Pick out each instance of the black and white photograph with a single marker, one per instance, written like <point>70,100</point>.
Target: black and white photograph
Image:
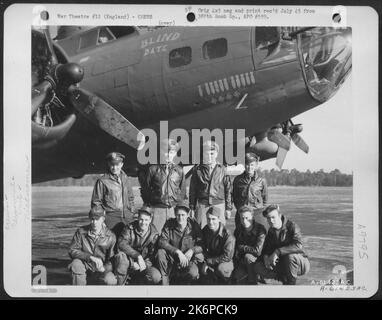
<point>101,84</point>
<point>180,157</point>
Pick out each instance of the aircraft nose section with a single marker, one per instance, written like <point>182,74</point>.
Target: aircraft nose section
<point>326,57</point>
<point>70,73</point>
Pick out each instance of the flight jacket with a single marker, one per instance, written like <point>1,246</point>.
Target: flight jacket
<point>214,189</point>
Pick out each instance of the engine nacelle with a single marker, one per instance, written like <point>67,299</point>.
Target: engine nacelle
<point>46,137</point>
<point>264,148</point>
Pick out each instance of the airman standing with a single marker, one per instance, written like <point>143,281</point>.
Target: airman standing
<point>114,193</point>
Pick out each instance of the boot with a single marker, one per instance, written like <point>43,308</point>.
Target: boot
<point>165,280</point>
<point>121,279</point>
<point>289,281</point>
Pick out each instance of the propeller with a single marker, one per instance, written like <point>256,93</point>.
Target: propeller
<point>276,135</point>
<point>63,78</point>
<point>105,117</point>
<point>296,138</point>
<point>58,77</point>
<point>282,135</point>
<point>53,57</point>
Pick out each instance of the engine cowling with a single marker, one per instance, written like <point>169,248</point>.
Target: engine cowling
<point>264,148</point>
<point>52,113</point>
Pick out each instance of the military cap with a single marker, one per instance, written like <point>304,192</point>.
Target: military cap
<point>168,145</point>
<point>215,211</point>
<point>182,205</point>
<point>145,210</point>
<point>96,212</point>
<point>115,157</point>
<point>251,157</point>
<point>211,145</point>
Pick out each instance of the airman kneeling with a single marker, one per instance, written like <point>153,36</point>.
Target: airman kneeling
<point>250,237</point>
<point>179,248</point>
<point>218,249</point>
<point>137,245</point>
<point>91,251</point>
<point>283,257</point>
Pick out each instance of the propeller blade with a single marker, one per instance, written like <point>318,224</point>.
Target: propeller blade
<point>280,139</point>
<point>106,117</point>
<point>49,41</point>
<point>281,154</point>
<point>300,143</point>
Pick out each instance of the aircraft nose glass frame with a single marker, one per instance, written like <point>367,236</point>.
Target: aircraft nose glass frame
<point>325,54</point>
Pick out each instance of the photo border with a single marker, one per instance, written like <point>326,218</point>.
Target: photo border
<point>17,187</point>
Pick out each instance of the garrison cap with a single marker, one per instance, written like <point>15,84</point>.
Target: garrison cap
<point>182,205</point>
<point>215,211</point>
<point>96,212</point>
<point>251,157</point>
<point>145,210</point>
<point>211,145</point>
<point>115,157</point>
<point>168,145</point>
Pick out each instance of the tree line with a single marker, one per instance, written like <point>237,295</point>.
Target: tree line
<point>274,177</point>
<point>294,177</point>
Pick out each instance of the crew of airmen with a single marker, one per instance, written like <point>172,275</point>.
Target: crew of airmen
<point>175,241</point>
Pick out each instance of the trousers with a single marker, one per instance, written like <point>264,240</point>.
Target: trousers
<point>82,270</point>
<point>124,268</point>
<point>169,267</point>
<point>116,224</point>
<point>286,270</point>
<point>221,274</point>
<point>244,271</point>
<point>160,216</point>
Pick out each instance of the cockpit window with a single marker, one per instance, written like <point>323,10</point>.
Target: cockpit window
<point>122,31</point>
<point>95,37</point>
<point>104,36</point>
<point>180,57</point>
<point>267,38</point>
<point>216,48</point>
<point>326,56</point>
<point>88,39</point>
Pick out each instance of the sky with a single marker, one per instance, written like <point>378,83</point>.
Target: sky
<point>328,130</point>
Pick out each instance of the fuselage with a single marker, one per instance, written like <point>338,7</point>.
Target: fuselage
<point>193,77</point>
<point>177,71</point>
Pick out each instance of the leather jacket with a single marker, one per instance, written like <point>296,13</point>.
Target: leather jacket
<point>249,243</point>
<point>159,188</point>
<point>115,197</point>
<point>250,191</point>
<point>133,245</point>
<point>84,244</point>
<point>218,247</point>
<point>173,239</point>
<point>214,188</point>
<point>287,241</point>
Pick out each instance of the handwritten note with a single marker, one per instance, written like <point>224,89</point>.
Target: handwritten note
<point>17,198</point>
<point>362,242</point>
<point>255,13</point>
